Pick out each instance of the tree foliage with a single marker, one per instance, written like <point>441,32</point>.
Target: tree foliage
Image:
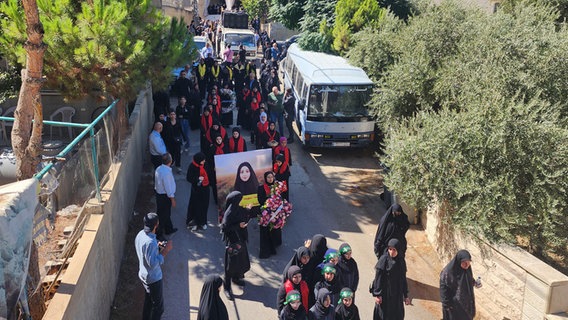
<point>557,5</point>
<point>112,46</point>
<point>287,12</point>
<point>10,82</point>
<point>400,8</point>
<point>352,16</point>
<point>256,8</point>
<point>317,24</point>
<point>474,109</point>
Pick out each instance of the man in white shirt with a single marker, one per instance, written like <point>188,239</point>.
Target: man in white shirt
<point>165,187</point>
<point>206,51</point>
<point>156,145</point>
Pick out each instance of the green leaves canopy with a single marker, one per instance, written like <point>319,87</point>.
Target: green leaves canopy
<point>113,46</point>
<point>474,109</point>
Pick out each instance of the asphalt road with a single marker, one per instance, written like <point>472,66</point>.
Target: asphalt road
<point>335,193</point>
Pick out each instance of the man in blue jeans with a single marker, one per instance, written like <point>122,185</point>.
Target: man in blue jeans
<point>151,255</point>
<point>276,108</point>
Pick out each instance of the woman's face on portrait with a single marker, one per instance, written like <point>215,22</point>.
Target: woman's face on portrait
<point>219,140</point>
<point>244,174</point>
<point>272,126</point>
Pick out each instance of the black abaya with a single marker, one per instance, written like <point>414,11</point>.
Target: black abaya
<point>344,313</point>
<point>235,265</point>
<point>288,313</point>
<point>392,227</point>
<point>198,200</point>
<point>318,247</point>
<point>211,307</point>
<point>390,284</point>
<point>456,289</point>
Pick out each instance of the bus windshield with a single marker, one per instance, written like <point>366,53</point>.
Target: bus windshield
<point>236,39</point>
<point>339,101</point>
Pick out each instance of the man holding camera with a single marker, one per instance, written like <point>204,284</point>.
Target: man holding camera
<point>151,255</point>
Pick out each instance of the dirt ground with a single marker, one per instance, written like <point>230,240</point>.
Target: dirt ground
<point>129,296</point>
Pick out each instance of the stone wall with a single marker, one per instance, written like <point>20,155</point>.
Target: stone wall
<point>516,285</point>
<point>89,283</point>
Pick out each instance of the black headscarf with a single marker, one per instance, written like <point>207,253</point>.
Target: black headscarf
<point>230,216</point>
<point>297,261</point>
<point>343,312</point>
<point>292,271</point>
<point>391,226</point>
<point>318,247</point>
<point>266,176</point>
<point>198,157</point>
<point>394,264</point>
<point>318,310</point>
<point>211,307</point>
<point>246,187</point>
<point>288,313</point>
<point>456,284</point>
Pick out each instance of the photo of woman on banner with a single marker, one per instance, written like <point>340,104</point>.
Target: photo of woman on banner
<point>247,184</point>
<point>243,172</point>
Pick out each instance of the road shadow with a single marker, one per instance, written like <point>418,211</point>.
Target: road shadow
<point>423,291</point>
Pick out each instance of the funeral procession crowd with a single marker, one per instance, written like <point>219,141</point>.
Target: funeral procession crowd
<point>318,282</point>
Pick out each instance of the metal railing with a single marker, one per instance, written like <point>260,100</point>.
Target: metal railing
<point>88,128</point>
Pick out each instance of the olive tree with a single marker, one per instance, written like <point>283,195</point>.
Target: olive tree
<point>474,106</point>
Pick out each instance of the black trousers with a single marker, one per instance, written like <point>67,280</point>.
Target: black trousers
<point>153,301</point>
<point>164,211</point>
<point>289,120</point>
<point>156,161</point>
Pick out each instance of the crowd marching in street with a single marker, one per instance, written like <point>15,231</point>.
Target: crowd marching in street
<point>318,282</point>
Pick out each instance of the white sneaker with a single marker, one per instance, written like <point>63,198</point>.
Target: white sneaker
<point>194,228</point>
<point>204,227</point>
<point>186,150</point>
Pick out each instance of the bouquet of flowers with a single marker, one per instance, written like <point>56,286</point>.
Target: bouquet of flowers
<point>276,209</point>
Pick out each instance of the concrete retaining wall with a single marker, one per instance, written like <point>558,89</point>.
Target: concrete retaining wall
<point>516,285</point>
<point>88,286</point>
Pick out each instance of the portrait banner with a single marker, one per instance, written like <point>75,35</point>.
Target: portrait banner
<point>242,171</point>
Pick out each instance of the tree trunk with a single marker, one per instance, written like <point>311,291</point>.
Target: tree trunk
<point>27,148</point>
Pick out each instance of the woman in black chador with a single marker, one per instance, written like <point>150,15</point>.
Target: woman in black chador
<point>293,309</point>
<point>390,288</point>
<point>269,238</point>
<point>246,181</point>
<point>211,307</point>
<point>317,248</point>
<point>346,308</point>
<point>393,225</point>
<point>347,268</point>
<point>197,175</point>
<point>456,288</point>
<point>235,235</point>
<point>301,258</point>
<point>323,309</point>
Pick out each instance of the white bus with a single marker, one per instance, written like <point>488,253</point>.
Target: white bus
<point>330,96</point>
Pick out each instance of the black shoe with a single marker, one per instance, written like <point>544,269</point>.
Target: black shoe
<point>239,282</point>
<point>229,295</point>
